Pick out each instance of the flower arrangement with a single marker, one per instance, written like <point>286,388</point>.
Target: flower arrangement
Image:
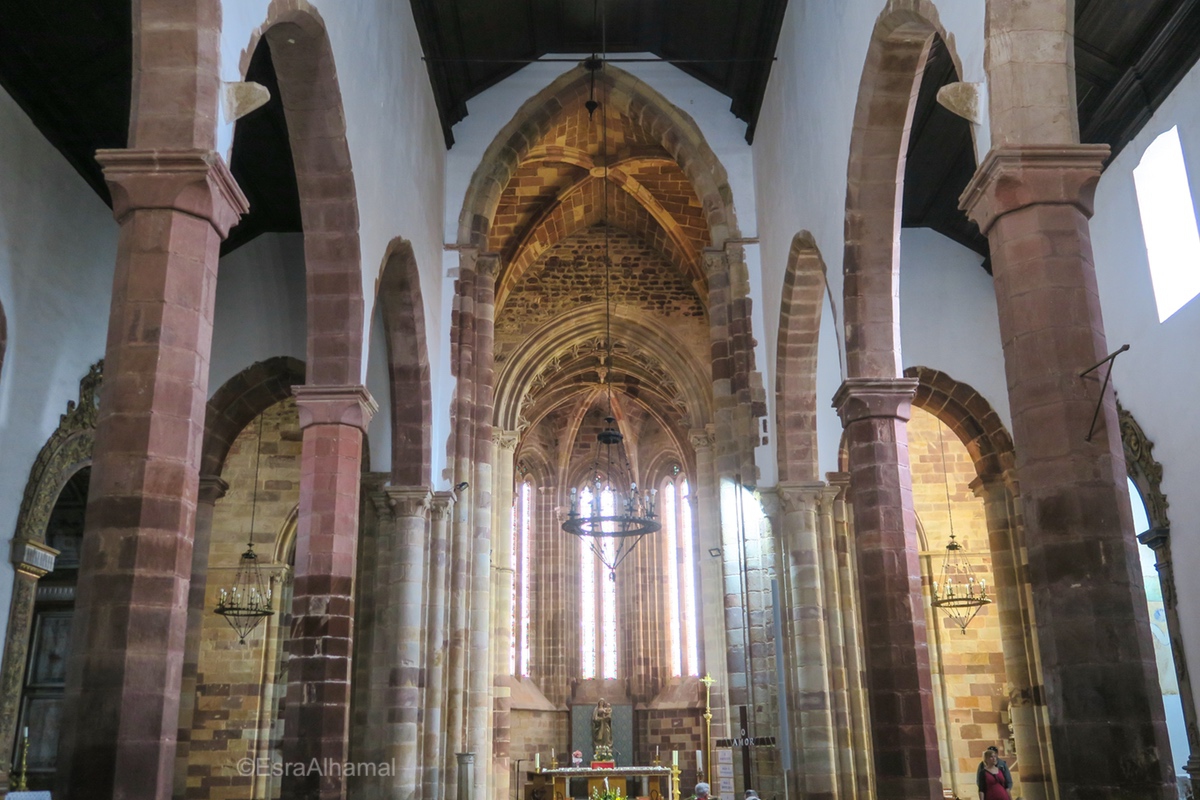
<point>607,794</point>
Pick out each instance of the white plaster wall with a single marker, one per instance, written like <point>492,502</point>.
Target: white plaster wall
<point>396,149</point>
<point>58,247</point>
<point>948,317</point>
<point>1158,380</point>
<point>802,146</point>
<point>260,310</point>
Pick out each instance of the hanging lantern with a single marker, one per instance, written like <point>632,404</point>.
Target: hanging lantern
<point>247,602</point>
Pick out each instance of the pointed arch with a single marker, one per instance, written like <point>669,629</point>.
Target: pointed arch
<point>316,124</point>
<point>398,294</point>
<point>887,95</point>
<point>804,288</point>
<point>240,400</point>
<point>674,130</point>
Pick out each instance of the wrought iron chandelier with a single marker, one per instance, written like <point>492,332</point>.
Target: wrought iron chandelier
<point>617,513</point>
<point>248,601</point>
<point>957,591</point>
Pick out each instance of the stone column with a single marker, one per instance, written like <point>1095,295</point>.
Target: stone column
<point>808,645</point>
<point>848,611</point>
<point>1101,684</point>
<point>480,678</point>
<point>874,412</point>
<point>502,608</point>
<point>707,515</point>
<point>436,641</point>
<point>401,634</point>
<point>334,420</point>
<point>212,489</point>
<point>836,591</point>
<point>127,641</point>
<point>1026,706</point>
<point>1159,540</point>
<point>31,561</point>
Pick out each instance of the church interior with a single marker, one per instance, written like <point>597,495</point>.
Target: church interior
<point>536,400</point>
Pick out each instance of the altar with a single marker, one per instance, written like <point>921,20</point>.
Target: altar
<point>581,782</point>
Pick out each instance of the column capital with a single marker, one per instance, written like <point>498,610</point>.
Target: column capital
<point>212,488</point>
<point>702,439</point>
<point>35,559</point>
<point>409,501</point>
<point>715,259</point>
<point>1017,176</point>
<point>506,440</point>
<point>335,405</point>
<point>864,398</point>
<point>195,182</point>
<point>442,504</point>
<point>800,495</point>
<point>487,265</point>
<point>1156,538</point>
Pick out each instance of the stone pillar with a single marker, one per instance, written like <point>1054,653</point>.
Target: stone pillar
<point>212,489</point>
<point>1026,706</point>
<point>848,611</point>
<point>815,762</point>
<point>836,591</point>
<point>127,641</point>
<point>480,677</point>
<point>436,641</point>
<point>502,608</point>
<point>1101,685</point>
<point>874,412</point>
<point>401,634</point>
<point>31,561</point>
<point>707,514</point>
<point>1159,540</point>
<point>334,420</point>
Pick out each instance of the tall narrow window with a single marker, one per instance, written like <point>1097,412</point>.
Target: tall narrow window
<point>680,543</point>
<point>587,594</point>
<point>1168,223</point>
<point>522,520</point>
<point>598,597</point>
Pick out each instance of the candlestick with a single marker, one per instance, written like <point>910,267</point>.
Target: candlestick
<point>21,782</point>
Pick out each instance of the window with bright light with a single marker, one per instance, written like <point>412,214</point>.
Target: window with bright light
<point>680,542</point>
<point>522,520</point>
<point>1168,223</point>
<point>598,597</point>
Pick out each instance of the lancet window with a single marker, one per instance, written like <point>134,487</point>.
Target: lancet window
<point>598,597</point>
<point>679,541</point>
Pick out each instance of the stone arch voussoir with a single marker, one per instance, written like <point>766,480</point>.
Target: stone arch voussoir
<point>239,401</point>
<point>804,289</point>
<point>312,104</point>
<point>970,416</point>
<point>887,94</point>
<point>399,297</point>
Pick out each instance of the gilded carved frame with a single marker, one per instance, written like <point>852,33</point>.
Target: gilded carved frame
<point>68,450</point>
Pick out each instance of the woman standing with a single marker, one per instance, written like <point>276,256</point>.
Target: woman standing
<point>993,783</point>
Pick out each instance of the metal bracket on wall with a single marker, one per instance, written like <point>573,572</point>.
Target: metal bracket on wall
<point>1108,359</point>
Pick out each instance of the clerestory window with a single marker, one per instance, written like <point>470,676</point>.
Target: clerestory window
<point>1168,223</point>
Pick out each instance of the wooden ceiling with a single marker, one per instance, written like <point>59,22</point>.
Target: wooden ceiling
<point>68,65</point>
<point>473,44</point>
<point>1129,55</point>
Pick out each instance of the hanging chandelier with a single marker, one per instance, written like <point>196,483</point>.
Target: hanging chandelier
<point>956,591</point>
<point>611,510</point>
<point>248,601</point>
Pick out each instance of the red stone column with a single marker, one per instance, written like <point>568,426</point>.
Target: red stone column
<point>1100,681</point>
<point>874,413</point>
<point>174,207</point>
<point>334,420</point>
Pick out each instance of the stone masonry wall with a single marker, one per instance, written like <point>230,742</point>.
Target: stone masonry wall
<point>968,667</point>
<point>230,681</point>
